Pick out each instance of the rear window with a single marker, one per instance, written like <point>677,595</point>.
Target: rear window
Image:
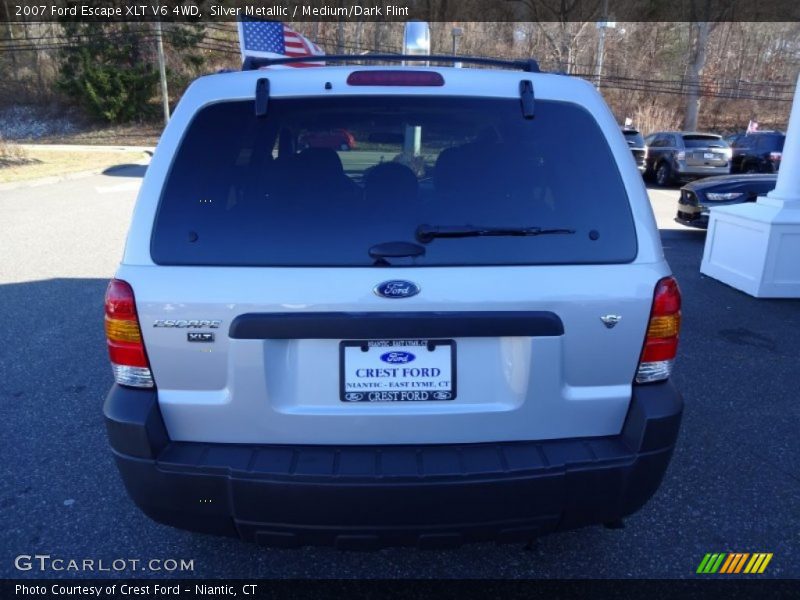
<point>321,181</point>
<point>634,139</point>
<point>704,141</point>
<point>772,143</point>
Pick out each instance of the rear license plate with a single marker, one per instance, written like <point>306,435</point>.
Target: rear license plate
<point>397,370</point>
<point>709,155</point>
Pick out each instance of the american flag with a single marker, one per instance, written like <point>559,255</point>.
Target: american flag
<point>273,39</point>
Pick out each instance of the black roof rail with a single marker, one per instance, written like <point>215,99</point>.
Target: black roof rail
<point>528,65</point>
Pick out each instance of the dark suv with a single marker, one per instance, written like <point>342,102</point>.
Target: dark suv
<point>637,146</point>
<point>758,152</point>
<point>683,155</point>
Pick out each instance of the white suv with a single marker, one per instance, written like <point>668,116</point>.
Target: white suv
<point>452,328</point>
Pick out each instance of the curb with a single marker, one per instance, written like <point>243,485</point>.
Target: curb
<point>87,148</point>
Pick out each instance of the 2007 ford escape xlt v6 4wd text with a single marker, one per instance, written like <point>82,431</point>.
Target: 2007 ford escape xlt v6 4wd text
<point>439,334</point>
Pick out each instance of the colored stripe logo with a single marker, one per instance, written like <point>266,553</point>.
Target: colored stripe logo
<point>734,563</point>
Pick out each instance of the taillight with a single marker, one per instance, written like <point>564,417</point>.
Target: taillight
<point>680,155</point>
<point>661,340</point>
<point>124,337</point>
<point>396,78</point>
<point>775,156</point>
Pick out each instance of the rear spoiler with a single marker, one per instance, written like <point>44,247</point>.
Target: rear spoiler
<point>252,63</point>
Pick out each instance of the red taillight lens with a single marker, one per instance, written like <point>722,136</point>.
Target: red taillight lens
<point>663,330</point>
<point>125,346</point>
<point>775,156</point>
<point>119,301</point>
<point>660,350</point>
<point>127,354</point>
<point>396,78</point>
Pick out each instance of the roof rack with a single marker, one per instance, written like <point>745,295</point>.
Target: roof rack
<point>528,65</point>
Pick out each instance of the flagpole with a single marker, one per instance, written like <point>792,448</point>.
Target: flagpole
<point>162,69</point>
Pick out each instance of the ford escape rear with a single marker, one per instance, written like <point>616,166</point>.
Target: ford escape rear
<point>438,334</point>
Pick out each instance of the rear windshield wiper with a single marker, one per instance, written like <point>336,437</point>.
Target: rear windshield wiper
<point>427,233</point>
<point>380,252</point>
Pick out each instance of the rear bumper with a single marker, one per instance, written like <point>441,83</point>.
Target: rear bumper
<point>689,172</point>
<point>364,497</point>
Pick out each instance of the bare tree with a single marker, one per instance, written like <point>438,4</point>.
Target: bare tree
<point>555,19</point>
<point>697,60</point>
<point>702,25</point>
<point>704,75</point>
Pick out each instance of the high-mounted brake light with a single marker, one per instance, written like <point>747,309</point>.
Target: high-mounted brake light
<point>661,340</point>
<point>396,78</point>
<point>125,346</point>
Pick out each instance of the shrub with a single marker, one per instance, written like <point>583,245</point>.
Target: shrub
<point>11,154</point>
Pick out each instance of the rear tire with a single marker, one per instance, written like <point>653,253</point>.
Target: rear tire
<point>751,168</point>
<point>664,175</point>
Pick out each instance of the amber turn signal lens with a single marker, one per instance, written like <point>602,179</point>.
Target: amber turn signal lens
<point>118,330</point>
<point>664,326</point>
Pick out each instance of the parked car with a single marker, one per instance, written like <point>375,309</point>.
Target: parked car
<point>699,196</point>
<point>638,148</point>
<point>336,139</point>
<point>365,356</point>
<point>674,156</point>
<point>734,137</point>
<point>758,152</point>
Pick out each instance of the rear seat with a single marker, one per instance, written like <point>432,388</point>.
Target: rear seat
<point>390,182</point>
<point>469,168</point>
<point>313,172</point>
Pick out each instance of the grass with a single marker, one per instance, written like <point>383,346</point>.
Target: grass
<point>144,134</point>
<point>11,154</point>
<point>35,163</point>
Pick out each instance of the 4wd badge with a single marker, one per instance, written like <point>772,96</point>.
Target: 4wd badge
<point>610,320</point>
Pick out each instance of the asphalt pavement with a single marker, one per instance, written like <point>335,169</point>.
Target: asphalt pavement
<point>732,486</point>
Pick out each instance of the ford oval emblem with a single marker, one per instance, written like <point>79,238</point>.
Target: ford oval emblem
<point>397,357</point>
<point>397,288</point>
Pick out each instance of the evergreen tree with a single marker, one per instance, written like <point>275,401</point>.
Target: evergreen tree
<point>107,70</point>
<point>111,70</point>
